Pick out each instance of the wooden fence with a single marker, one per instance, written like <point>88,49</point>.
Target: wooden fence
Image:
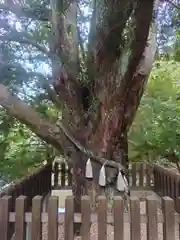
<point>167,183</point>
<point>140,176</point>
<point>37,183</point>
<point>119,220</point>
<point>16,212</point>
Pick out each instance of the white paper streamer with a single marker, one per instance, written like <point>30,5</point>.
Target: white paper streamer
<point>120,185</point>
<point>102,177</point>
<point>89,172</point>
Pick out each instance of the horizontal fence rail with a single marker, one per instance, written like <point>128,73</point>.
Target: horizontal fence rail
<point>119,219</point>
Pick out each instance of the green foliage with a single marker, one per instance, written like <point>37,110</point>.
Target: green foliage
<point>156,129</point>
<point>20,149</point>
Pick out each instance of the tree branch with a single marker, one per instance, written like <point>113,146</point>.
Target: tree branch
<point>6,69</point>
<point>39,13</point>
<point>143,18</point>
<point>18,37</point>
<point>173,4</point>
<point>135,87</point>
<point>109,31</point>
<point>47,87</point>
<point>50,133</point>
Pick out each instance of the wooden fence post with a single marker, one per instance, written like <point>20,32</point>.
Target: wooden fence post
<point>20,225</point>
<point>86,221</point>
<point>135,218</point>
<point>102,218</point>
<point>69,218</point>
<point>118,218</point>
<point>151,210</point>
<point>53,218</point>
<point>6,228</point>
<point>36,218</point>
<point>169,221</point>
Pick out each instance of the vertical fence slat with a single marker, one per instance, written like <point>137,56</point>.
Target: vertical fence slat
<point>148,176</point>
<point>63,174</point>
<point>133,175</point>
<point>169,221</point>
<point>167,186</point>
<point>56,174</point>
<point>151,210</point>
<point>135,218</point>
<point>118,218</point>
<point>164,192</point>
<point>141,175</point>
<point>53,218</point>
<point>36,218</point>
<point>20,225</point>
<point>172,187</point>
<point>177,193</point>
<point>158,182</point>
<point>102,218</point>
<point>69,218</point>
<point>163,184</point>
<point>5,227</point>
<point>69,177</point>
<point>86,221</point>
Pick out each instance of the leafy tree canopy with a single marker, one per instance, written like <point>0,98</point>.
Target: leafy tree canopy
<point>155,131</point>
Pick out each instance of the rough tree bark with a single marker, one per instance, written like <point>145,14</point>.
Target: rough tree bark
<point>98,116</point>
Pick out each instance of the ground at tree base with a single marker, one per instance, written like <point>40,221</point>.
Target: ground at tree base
<point>110,228</point>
